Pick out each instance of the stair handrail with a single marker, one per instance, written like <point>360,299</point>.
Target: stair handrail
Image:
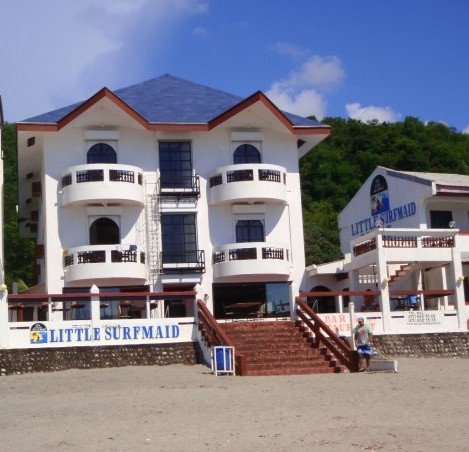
<point>323,334</point>
<point>216,336</point>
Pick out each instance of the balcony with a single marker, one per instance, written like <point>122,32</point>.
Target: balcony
<point>179,186</point>
<point>188,262</point>
<point>406,244</point>
<point>251,260</point>
<point>248,183</point>
<point>105,261</point>
<point>102,183</point>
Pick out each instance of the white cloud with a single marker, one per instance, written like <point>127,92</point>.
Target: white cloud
<point>370,113</point>
<point>290,50</point>
<point>302,92</point>
<point>306,102</point>
<point>61,52</point>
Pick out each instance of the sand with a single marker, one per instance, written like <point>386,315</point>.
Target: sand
<point>422,407</point>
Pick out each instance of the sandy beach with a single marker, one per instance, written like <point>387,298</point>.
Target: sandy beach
<point>422,407</point>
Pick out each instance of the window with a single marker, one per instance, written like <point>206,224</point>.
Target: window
<point>249,231</point>
<point>179,238</point>
<point>101,153</point>
<point>246,153</point>
<point>104,231</point>
<point>440,219</point>
<point>175,164</point>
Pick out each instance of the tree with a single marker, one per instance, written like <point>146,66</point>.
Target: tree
<point>334,170</point>
<point>18,253</point>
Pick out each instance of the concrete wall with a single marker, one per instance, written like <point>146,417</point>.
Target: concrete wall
<point>22,361</point>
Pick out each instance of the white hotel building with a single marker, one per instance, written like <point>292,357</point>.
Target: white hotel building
<point>166,186</point>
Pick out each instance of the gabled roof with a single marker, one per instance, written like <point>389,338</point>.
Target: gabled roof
<point>443,183</point>
<point>173,101</point>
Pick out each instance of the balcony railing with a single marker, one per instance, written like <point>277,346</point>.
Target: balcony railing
<point>104,261</point>
<point>405,238</point>
<point>250,258</point>
<point>102,183</point>
<point>98,175</point>
<point>188,262</point>
<point>175,185</point>
<point>250,182</point>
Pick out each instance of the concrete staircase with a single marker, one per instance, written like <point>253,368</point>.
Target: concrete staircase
<point>279,348</point>
<point>404,271</point>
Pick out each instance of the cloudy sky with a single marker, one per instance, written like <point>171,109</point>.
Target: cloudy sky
<point>364,59</point>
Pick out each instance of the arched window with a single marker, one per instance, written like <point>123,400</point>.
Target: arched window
<point>101,153</point>
<point>104,231</point>
<point>246,153</point>
<point>249,231</point>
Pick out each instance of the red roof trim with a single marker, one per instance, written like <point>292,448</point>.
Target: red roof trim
<point>246,103</point>
<point>103,93</point>
<point>261,97</point>
<point>25,127</point>
<point>175,127</point>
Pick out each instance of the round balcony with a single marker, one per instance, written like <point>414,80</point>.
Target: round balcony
<point>251,261</point>
<point>102,183</point>
<point>102,262</point>
<point>248,183</point>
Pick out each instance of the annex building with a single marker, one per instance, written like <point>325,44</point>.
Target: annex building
<point>405,241</point>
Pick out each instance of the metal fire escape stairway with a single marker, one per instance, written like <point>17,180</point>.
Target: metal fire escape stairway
<point>152,227</point>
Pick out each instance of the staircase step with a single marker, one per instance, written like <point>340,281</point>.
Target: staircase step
<point>279,348</point>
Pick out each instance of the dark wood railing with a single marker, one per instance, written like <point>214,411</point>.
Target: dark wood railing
<point>364,247</point>
<point>324,336</point>
<point>214,335</point>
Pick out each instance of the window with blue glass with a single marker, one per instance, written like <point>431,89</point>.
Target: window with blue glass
<point>246,153</point>
<point>101,153</point>
<point>175,164</point>
<point>249,231</point>
<point>179,238</point>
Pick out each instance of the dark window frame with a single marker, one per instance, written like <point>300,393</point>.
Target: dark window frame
<point>175,160</point>
<point>179,237</point>
<point>249,230</point>
<point>101,153</point>
<point>246,153</point>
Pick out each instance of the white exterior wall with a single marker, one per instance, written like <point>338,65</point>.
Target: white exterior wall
<point>356,219</point>
<point>65,225</point>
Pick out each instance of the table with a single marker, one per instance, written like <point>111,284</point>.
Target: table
<point>243,308</point>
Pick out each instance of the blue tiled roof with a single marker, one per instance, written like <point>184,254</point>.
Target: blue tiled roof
<point>169,99</point>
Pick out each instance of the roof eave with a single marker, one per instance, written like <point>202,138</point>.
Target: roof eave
<point>68,118</point>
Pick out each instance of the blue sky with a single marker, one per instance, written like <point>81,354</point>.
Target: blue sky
<point>365,59</point>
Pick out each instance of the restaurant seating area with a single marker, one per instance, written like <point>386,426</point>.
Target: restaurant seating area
<point>254,310</point>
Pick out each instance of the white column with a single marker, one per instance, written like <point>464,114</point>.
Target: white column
<point>4,327</point>
<point>339,304</point>
<point>351,310</point>
<point>95,306</point>
<point>382,275</point>
<point>353,283</point>
<point>457,274</point>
